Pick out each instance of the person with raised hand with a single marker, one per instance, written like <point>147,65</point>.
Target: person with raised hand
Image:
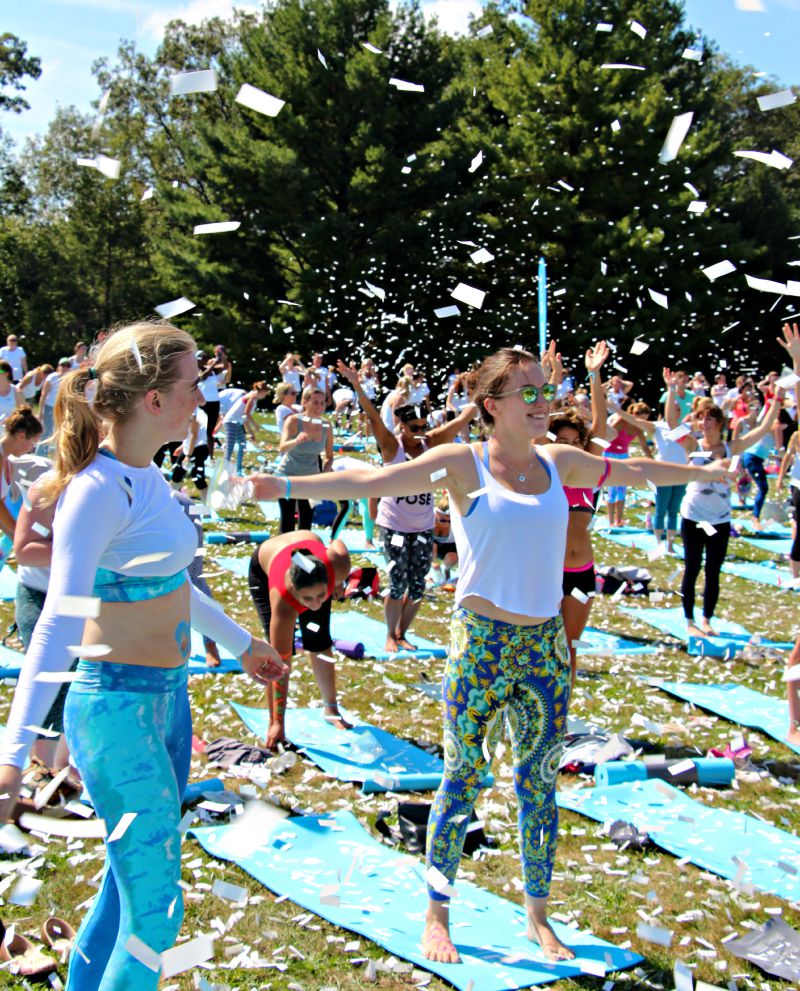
<point>119,599</point>
<point>406,521</point>
<point>706,506</point>
<point>508,650</point>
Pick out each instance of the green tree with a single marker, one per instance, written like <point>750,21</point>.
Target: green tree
<point>15,65</point>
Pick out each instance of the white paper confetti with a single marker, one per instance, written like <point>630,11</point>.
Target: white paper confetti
<point>80,606</point>
<point>198,81</point>
<point>406,87</point>
<point>782,98</point>
<point>476,163</point>
<point>716,271</point>
<point>121,827</point>
<point>219,228</point>
<point>175,307</point>
<point>678,130</point>
<point>256,99</point>
<point>469,295</point>
<point>140,951</point>
<point>447,311</point>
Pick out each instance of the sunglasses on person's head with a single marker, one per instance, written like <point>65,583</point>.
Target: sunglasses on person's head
<point>530,393</point>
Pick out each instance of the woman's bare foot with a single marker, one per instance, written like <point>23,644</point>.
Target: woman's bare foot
<point>694,630</point>
<point>334,717</point>
<point>391,645</point>
<point>212,658</point>
<point>436,943</point>
<point>404,644</point>
<point>707,628</point>
<point>540,931</point>
<point>793,736</point>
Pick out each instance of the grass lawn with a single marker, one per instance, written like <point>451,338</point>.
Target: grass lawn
<point>700,908</point>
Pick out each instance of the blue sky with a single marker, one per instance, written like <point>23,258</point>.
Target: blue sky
<point>68,35</point>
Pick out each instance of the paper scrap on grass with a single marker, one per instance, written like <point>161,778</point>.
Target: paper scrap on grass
<point>25,891</point>
<point>218,228</point>
<point>184,956</point>
<point>469,295</point>
<point>198,81</point>
<point>719,269</point>
<point>782,98</point>
<point>676,135</point>
<point>406,87</point>
<point>85,829</point>
<point>256,99</point>
<point>175,307</point>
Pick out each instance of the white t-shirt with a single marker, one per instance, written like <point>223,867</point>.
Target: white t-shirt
<point>418,394</point>
<point>209,390</point>
<point>292,376</point>
<point>8,403</point>
<point>15,357</point>
<point>55,381</point>
<point>281,412</point>
<point>668,449</point>
<point>229,398</point>
<point>202,432</point>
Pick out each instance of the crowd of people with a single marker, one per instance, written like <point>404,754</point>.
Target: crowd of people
<point>499,476</point>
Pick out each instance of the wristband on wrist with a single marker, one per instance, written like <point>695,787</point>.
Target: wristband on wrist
<point>287,493</point>
<point>591,376</point>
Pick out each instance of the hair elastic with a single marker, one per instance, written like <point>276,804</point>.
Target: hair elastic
<point>287,494</point>
<point>605,474</point>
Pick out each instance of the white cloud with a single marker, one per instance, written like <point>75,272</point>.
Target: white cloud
<point>453,16</point>
<point>193,12</point>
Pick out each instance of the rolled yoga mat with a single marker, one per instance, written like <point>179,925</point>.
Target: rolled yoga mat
<point>238,537</point>
<point>195,791</point>
<point>704,771</point>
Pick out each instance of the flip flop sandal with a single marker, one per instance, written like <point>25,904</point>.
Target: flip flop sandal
<point>26,960</point>
<point>57,935</point>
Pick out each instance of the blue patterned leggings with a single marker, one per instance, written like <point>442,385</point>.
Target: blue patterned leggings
<point>525,670</point>
<point>129,730</point>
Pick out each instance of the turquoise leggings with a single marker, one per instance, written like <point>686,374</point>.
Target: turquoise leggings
<point>129,731</point>
<point>494,666</point>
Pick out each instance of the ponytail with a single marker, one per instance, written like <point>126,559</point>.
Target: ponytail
<point>77,434</point>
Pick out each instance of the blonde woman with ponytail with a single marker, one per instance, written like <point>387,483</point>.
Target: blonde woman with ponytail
<point>121,547</point>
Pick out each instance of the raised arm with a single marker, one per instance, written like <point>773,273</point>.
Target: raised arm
<point>447,433</point>
<point>387,442</point>
<point>767,423</point>
<point>595,356</point>
<point>786,460</point>
<point>581,470</point>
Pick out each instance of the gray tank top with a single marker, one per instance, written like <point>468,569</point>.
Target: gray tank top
<point>304,459</point>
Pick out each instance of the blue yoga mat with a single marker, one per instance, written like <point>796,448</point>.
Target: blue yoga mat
<point>239,566</point>
<point>772,545</point>
<point>270,510</point>
<point>732,636</point>
<point>10,662</point>
<point>364,753</point>
<point>197,659</point>
<point>246,537</point>
<point>640,540</point>
<point>602,642</point>
<point>770,531</point>
<point>8,583</point>
<point>370,632</point>
<point>763,572</point>
<point>709,837</point>
<point>738,704</point>
<point>331,865</point>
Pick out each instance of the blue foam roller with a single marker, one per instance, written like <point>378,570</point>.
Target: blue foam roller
<point>617,772</point>
<point>196,789</point>
<point>714,770</point>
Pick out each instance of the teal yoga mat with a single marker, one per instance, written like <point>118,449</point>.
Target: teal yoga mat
<point>239,566</point>
<point>372,633</point>
<point>197,659</point>
<point>364,753</point>
<point>709,837</point>
<point>635,539</point>
<point>763,572</point>
<point>772,545</point>
<point>601,642</point>
<point>738,704</point>
<point>770,531</point>
<point>10,662</point>
<point>8,583</point>
<point>332,866</point>
<point>733,637</point>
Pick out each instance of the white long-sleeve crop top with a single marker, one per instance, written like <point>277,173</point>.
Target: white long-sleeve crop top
<point>115,527</point>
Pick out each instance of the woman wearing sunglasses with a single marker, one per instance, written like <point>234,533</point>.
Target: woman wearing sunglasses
<point>406,521</point>
<point>508,649</point>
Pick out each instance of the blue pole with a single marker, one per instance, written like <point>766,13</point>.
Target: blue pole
<point>542,306</point>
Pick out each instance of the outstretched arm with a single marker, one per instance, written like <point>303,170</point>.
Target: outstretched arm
<point>581,470</point>
<point>767,423</point>
<point>387,442</point>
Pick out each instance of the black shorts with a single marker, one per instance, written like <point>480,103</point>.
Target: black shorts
<point>315,624</point>
<point>583,580</point>
<point>442,548</point>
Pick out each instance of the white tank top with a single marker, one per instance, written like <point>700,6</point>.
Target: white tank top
<point>511,546</point>
<point>708,502</point>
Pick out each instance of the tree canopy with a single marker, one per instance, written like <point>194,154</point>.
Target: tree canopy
<point>404,162</point>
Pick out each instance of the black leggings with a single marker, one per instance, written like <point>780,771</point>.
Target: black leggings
<point>794,553</point>
<point>695,540</point>
<point>304,514</point>
<point>211,410</point>
<point>198,469</point>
